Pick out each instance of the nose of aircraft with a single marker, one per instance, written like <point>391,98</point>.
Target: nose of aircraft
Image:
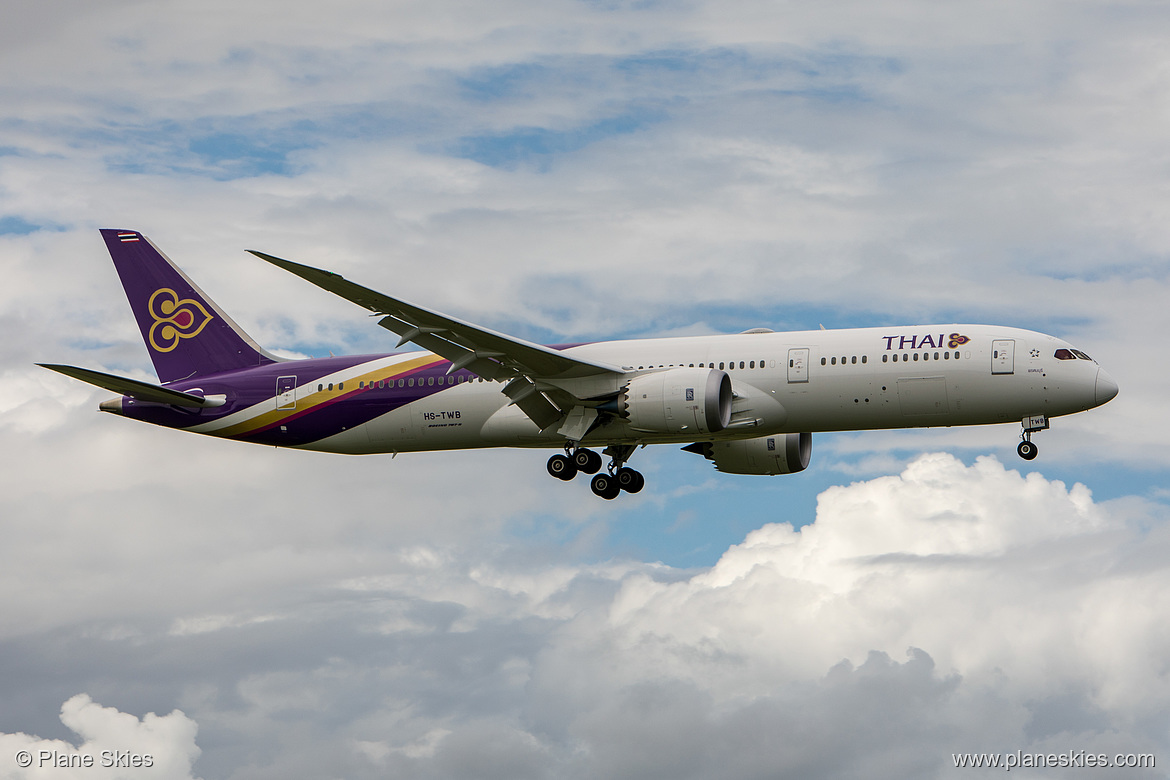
<point>1106,387</point>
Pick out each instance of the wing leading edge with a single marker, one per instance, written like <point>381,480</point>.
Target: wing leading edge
<point>533,373</point>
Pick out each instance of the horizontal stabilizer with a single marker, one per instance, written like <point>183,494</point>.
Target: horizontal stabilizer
<point>141,391</point>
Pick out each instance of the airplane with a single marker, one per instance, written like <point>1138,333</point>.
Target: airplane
<point>748,402</point>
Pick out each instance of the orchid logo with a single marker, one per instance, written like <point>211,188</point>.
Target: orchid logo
<point>956,341</point>
<point>174,319</point>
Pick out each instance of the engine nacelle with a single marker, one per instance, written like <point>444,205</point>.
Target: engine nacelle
<point>679,400</point>
<point>784,454</point>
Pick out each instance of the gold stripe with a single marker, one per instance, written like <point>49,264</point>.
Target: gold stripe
<point>320,397</point>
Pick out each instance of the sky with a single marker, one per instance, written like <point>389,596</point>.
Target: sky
<point>577,170</point>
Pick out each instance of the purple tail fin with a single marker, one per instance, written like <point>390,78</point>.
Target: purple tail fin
<point>186,334</point>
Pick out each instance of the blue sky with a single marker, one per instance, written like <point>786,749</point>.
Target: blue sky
<point>564,172</point>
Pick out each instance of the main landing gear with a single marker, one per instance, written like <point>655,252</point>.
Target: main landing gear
<point>1027,450</point>
<point>608,483</point>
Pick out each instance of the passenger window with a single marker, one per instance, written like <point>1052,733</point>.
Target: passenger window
<point>824,361</point>
<point>834,361</point>
<point>741,364</point>
<point>752,364</point>
<point>410,382</point>
<point>320,388</point>
<point>720,365</point>
<point>916,356</point>
<point>936,356</point>
<point>854,360</point>
<point>330,385</point>
<point>946,356</point>
<point>430,380</point>
<point>865,358</point>
<point>885,358</point>
<point>895,357</point>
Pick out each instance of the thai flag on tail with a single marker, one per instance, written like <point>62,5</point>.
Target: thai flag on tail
<point>125,237</point>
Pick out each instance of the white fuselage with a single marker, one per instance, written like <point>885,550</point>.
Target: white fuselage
<point>807,381</point>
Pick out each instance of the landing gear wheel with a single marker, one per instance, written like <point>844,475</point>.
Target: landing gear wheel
<point>562,467</point>
<point>605,486</point>
<point>629,480</point>
<point>588,461</point>
<point>1027,450</point>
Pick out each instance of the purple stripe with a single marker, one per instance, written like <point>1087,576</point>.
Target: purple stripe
<point>303,426</point>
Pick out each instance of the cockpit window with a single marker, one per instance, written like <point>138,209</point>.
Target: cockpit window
<point>1081,355</point>
<point>1064,354</point>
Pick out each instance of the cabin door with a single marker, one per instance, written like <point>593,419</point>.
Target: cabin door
<point>798,365</point>
<point>1003,356</point>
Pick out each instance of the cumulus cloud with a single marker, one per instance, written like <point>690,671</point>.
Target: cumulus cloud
<point>113,745</point>
<point>949,608</point>
<point>1002,592</point>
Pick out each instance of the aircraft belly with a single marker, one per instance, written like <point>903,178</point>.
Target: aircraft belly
<point>890,400</point>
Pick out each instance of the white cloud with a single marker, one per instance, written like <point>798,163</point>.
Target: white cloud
<point>113,745</point>
<point>948,608</point>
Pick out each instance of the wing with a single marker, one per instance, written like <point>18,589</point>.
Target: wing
<point>531,372</point>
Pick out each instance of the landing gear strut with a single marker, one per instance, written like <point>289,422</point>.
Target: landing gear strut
<point>1027,450</point>
<point>607,484</point>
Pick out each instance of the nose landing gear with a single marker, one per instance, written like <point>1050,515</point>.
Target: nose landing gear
<point>609,483</point>
<point>1027,450</point>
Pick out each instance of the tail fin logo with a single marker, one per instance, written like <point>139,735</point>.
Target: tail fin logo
<point>174,319</point>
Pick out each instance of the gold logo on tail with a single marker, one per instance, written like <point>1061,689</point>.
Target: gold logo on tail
<point>174,319</point>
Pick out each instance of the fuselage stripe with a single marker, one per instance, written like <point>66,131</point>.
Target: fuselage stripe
<point>323,399</point>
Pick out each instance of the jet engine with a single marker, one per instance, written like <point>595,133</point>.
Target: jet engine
<point>678,400</point>
<point>784,454</point>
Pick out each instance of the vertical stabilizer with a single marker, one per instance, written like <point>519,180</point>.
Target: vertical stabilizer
<point>186,334</point>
